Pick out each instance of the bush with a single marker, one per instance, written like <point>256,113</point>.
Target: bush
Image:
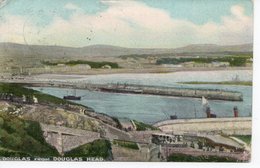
<point>1,122</point>
<point>92,64</point>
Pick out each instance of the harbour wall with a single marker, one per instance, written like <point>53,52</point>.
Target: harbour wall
<point>214,94</point>
<point>229,126</point>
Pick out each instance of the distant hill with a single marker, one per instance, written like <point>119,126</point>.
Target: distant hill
<point>12,49</point>
<point>197,48</point>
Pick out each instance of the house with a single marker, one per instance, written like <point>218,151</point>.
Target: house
<point>188,64</point>
<point>106,67</point>
<point>171,65</point>
<point>220,64</point>
<point>81,67</point>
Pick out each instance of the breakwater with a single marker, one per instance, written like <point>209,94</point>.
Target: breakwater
<point>229,126</point>
<point>214,94</point>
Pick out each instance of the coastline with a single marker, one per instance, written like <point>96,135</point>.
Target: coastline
<point>159,70</point>
<point>241,83</point>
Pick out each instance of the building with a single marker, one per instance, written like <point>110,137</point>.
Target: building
<point>106,67</point>
<point>220,64</point>
<point>171,65</point>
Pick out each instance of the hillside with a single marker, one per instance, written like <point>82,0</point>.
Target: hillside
<point>12,49</point>
<point>213,48</point>
<point>22,138</point>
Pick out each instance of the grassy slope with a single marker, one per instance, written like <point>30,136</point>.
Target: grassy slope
<point>22,138</point>
<point>98,148</point>
<point>245,138</point>
<point>19,90</point>
<point>143,127</point>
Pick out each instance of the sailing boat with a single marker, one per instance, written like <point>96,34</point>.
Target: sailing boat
<point>204,102</point>
<point>72,97</point>
<point>206,108</point>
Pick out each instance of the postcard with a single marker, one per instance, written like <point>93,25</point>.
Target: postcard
<point>126,80</point>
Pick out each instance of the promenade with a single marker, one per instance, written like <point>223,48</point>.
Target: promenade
<point>229,126</point>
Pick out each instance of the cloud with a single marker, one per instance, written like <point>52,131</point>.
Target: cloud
<point>237,10</point>
<point>3,3</point>
<point>11,28</point>
<point>130,24</point>
<point>71,6</point>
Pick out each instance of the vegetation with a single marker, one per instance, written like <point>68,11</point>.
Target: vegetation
<point>245,83</point>
<point>92,64</point>
<point>143,127</point>
<point>19,90</point>
<point>119,126</point>
<point>23,138</point>
<point>245,138</point>
<point>239,60</point>
<point>126,144</point>
<point>135,56</point>
<point>10,153</point>
<point>178,157</point>
<point>188,54</point>
<point>98,148</point>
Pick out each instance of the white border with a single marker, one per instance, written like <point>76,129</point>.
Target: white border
<point>255,161</point>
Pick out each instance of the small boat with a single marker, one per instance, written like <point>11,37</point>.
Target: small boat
<point>72,97</point>
<point>173,117</point>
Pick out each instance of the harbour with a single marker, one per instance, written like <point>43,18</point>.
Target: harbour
<point>148,108</point>
<point>153,108</point>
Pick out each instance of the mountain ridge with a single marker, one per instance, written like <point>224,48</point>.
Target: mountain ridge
<point>102,50</point>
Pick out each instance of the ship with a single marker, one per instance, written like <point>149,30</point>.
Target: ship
<point>72,97</point>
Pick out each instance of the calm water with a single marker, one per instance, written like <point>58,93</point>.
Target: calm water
<point>151,109</point>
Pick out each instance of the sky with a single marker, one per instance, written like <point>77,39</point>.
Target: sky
<point>126,23</point>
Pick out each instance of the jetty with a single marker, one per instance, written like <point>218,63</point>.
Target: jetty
<point>213,94</point>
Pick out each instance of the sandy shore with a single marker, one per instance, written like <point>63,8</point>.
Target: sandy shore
<point>150,70</point>
<point>121,72</point>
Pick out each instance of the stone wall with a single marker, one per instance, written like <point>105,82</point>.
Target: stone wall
<point>71,142</point>
<point>65,139</point>
<point>230,126</point>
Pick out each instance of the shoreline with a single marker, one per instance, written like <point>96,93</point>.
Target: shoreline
<point>240,83</point>
<point>213,94</point>
<point>158,70</point>
<point>136,71</point>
